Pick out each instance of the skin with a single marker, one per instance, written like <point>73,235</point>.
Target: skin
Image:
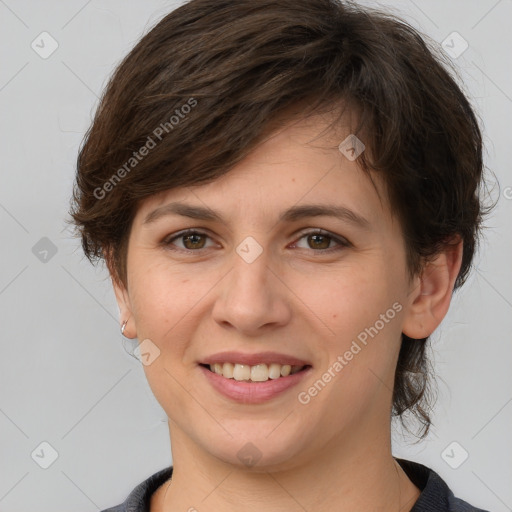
<point>333,453</point>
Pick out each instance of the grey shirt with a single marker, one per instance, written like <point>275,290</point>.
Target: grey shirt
<point>435,494</point>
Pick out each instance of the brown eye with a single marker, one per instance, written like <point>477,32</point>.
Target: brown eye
<point>320,241</point>
<point>191,240</point>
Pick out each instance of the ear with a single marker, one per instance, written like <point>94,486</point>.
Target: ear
<point>122,298</point>
<point>431,292</point>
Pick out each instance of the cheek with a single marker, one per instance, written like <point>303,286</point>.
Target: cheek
<point>163,308</point>
<point>160,297</point>
<point>363,312</point>
<point>350,299</point>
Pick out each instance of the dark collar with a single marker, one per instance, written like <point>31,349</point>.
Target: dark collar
<point>435,494</point>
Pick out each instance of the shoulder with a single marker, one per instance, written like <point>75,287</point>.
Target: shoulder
<point>139,498</point>
<point>435,493</point>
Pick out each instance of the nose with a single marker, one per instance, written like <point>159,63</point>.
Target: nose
<point>252,297</point>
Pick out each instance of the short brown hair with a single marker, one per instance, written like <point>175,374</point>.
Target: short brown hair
<point>236,65</point>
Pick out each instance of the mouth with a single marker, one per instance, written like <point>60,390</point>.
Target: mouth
<point>255,383</point>
<point>254,373</point>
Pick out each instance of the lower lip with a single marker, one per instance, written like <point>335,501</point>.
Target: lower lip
<point>252,392</point>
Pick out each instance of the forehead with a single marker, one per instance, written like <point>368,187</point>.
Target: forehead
<point>298,163</point>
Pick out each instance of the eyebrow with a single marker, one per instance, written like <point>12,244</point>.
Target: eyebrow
<point>292,214</point>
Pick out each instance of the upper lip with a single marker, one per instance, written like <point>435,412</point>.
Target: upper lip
<point>253,359</point>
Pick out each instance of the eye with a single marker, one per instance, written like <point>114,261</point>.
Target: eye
<point>191,240</point>
<point>318,240</point>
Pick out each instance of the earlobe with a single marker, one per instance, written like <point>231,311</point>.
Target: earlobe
<point>123,300</point>
<point>432,292</point>
<point>125,312</point>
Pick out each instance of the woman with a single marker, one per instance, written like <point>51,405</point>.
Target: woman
<point>286,195</point>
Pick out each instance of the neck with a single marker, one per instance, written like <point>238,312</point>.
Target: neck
<point>349,475</point>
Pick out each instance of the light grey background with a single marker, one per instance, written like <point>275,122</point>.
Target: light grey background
<point>66,376</point>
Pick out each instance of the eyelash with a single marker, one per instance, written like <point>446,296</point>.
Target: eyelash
<point>342,243</point>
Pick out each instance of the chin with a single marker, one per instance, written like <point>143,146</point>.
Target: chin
<point>258,453</point>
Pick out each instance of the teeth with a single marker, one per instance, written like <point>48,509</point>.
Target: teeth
<point>274,371</point>
<point>256,373</point>
<point>226,369</point>
<point>242,372</point>
<point>259,373</point>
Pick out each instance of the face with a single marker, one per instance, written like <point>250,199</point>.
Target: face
<point>328,295</point>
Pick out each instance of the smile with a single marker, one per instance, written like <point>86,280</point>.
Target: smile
<point>274,379</point>
<point>254,373</point>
